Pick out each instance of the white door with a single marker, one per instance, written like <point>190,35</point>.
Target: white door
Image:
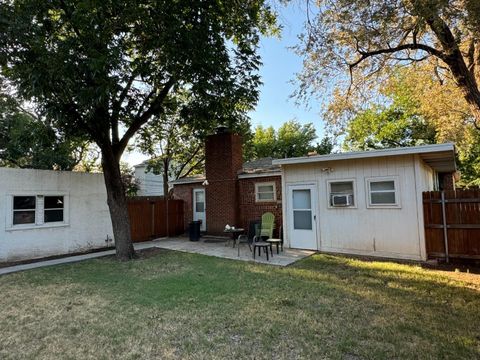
<point>302,216</point>
<point>199,207</point>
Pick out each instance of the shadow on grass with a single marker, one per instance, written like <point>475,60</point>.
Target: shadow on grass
<point>321,305</point>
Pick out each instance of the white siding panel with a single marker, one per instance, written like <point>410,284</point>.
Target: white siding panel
<point>390,232</point>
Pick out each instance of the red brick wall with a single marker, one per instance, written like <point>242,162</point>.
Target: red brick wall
<point>223,160</point>
<point>252,210</point>
<point>228,200</point>
<point>185,192</point>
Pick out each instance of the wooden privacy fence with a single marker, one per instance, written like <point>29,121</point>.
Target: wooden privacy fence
<point>452,223</point>
<point>153,217</point>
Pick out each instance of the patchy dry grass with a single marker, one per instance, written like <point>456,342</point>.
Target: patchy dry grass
<point>177,305</point>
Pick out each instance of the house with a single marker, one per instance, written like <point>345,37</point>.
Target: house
<point>149,184</point>
<point>366,203</point>
<point>48,213</point>
<point>230,192</point>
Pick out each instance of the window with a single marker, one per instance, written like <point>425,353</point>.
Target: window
<point>341,193</point>
<point>302,209</point>
<point>24,210</point>
<point>382,192</point>
<point>37,210</point>
<point>53,209</point>
<point>265,192</point>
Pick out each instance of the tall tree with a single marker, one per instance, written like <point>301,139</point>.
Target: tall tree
<point>290,140</point>
<point>416,108</point>
<point>104,69</point>
<point>366,38</point>
<point>27,141</point>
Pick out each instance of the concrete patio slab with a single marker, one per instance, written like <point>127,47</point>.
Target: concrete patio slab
<point>219,249</point>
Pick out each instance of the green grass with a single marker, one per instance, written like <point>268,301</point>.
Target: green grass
<point>177,305</point>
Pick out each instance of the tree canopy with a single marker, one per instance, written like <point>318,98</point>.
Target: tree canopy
<point>290,140</point>
<point>415,108</point>
<point>355,44</point>
<point>27,141</point>
<point>102,70</point>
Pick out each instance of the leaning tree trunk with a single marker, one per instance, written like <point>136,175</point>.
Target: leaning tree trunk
<point>117,203</point>
<point>453,57</point>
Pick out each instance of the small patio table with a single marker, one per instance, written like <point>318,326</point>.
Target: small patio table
<point>236,232</point>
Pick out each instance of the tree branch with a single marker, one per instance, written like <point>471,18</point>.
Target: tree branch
<point>155,107</point>
<point>186,162</point>
<point>116,108</point>
<point>390,50</point>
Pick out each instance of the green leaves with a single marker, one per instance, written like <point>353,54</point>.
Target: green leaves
<point>292,139</point>
<point>79,59</point>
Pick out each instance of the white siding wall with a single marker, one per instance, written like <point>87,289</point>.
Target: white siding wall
<point>86,216</point>
<point>387,232</point>
<point>149,183</point>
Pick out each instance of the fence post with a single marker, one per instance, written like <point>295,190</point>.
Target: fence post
<point>445,232</point>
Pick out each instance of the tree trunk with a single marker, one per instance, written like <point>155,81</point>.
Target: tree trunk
<point>166,165</point>
<point>117,203</point>
<point>454,59</point>
<point>466,82</point>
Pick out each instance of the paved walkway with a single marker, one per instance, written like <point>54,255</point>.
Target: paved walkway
<point>288,256</point>
<point>70,259</point>
<point>217,249</point>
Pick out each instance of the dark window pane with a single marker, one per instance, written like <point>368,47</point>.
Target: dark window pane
<point>199,207</point>
<point>302,220</point>
<point>23,202</point>
<point>53,202</point>
<point>383,198</point>
<point>23,217</point>
<point>345,187</point>
<point>382,185</point>
<point>53,215</point>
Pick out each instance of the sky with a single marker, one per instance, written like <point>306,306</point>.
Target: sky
<point>280,64</point>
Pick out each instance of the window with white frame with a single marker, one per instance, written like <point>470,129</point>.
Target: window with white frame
<point>265,192</point>
<point>341,193</point>
<point>53,209</point>
<point>37,210</point>
<point>24,210</point>
<point>382,192</point>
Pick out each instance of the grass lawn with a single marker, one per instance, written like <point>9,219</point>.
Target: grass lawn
<point>178,305</point>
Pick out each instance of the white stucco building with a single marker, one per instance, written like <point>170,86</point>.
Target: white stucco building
<point>44,213</point>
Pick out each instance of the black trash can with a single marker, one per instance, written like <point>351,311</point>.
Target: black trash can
<point>194,230</point>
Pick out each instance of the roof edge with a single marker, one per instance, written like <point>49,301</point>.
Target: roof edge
<point>368,154</point>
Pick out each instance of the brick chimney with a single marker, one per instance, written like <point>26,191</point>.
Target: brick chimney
<point>223,160</point>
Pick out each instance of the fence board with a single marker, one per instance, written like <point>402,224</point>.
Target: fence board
<point>150,218</point>
<point>462,222</point>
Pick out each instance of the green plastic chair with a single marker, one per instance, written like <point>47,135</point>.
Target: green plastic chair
<point>266,232</point>
<point>267,225</point>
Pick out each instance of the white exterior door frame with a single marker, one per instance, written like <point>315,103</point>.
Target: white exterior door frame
<point>199,207</point>
<point>302,229</point>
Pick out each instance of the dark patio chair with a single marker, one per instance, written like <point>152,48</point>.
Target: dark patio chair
<point>253,230</point>
<point>266,232</point>
<point>278,241</point>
